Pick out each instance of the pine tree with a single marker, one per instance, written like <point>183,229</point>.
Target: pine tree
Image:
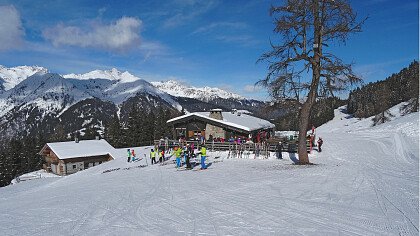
<point>114,132</point>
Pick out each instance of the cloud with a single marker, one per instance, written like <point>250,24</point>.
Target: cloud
<point>187,10</point>
<point>11,30</point>
<point>228,32</point>
<point>119,36</point>
<point>219,25</point>
<point>252,89</point>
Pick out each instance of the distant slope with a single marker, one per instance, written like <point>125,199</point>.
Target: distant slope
<point>377,97</point>
<point>205,94</point>
<point>10,77</point>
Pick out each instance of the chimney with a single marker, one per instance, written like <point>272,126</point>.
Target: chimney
<point>216,114</point>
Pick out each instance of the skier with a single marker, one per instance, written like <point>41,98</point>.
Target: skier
<point>153,156</point>
<point>133,155</point>
<point>178,152</point>
<point>161,156</point>
<point>188,155</point>
<point>129,155</point>
<point>320,142</point>
<point>203,157</point>
<point>279,148</point>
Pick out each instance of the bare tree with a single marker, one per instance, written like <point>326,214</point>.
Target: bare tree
<point>307,27</point>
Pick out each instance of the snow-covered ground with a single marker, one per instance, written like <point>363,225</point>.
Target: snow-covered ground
<point>364,182</point>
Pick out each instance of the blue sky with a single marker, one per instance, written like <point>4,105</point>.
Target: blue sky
<point>214,42</point>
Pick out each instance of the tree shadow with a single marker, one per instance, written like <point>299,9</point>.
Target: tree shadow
<point>293,157</point>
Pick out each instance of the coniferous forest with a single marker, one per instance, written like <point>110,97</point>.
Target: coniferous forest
<point>376,98</point>
<point>139,128</point>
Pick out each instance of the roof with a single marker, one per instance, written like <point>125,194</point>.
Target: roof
<point>84,148</point>
<point>243,121</point>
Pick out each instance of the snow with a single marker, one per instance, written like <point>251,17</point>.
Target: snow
<point>55,94</point>
<point>116,86</point>
<point>364,182</point>
<point>243,121</point>
<point>39,174</point>
<point>178,89</point>
<point>112,74</point>
<point>14,75</point>
<point>84,148</point>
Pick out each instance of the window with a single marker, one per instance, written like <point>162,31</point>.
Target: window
<point>74,166</point>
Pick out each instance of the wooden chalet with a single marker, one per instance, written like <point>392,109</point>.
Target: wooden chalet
<point>219,124</point>
<point>63,158</point>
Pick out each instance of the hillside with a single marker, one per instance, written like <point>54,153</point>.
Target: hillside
<point>365,182</point>
<point>10,77</point>
<point>378,97</point>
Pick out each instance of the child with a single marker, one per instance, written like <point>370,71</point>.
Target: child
<point>133,155</point>
<point>320,142</point>
<point>129,155</point>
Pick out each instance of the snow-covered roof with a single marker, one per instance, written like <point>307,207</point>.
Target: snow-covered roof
<point>243,121</point>
<point>84,148</point>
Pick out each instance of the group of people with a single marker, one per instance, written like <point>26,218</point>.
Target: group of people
<point>131,155</point>
<point>186,153</point>
<point>154,153</point>
<point>182,154</point>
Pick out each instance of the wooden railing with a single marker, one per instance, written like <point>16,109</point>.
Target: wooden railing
<point>290,146</point>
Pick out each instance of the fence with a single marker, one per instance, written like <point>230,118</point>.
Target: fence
<point>233,147</point>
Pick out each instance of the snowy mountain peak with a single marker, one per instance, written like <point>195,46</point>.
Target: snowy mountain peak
<point>10,77</point>
<point>178,89</point>
<point>113,74</point>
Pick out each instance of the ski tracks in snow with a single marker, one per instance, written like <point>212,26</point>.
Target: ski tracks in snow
<point>392,181</point>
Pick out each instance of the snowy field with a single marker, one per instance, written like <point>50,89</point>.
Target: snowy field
<point>364,182</point>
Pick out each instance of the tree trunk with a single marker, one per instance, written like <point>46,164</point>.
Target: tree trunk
<point>316,75</point>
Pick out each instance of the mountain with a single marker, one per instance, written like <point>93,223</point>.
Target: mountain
<point>42,101</point>
<point>112,74</point>
<point>36,102</point>
<point>205,94</point>
<point>194,99</point>
<point>10,77</point>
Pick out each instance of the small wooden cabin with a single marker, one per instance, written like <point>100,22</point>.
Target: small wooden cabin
<point>63,158</point>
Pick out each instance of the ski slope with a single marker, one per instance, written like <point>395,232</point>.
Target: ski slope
<point>364,182</point>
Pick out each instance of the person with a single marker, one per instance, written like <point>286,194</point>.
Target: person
<point>153,156</point>
<point>188,155</point>
<point>320,142</point>
<point>231,139</point>
<point>160,156</point>
<point>279,149</point>
<point>133,155</point>
<point>203,153</point>
<point>129,155</point>
<point>178,153</point>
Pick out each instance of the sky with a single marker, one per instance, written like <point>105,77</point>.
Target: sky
<point>201,43</point>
